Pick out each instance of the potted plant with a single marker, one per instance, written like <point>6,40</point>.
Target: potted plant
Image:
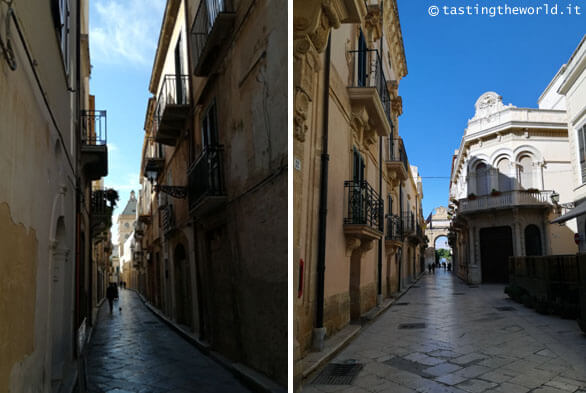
<point>495,192</point>
<point>532,190</point>
<point>472,196</point>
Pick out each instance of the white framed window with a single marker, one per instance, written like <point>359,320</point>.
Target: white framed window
<point>581,134</point>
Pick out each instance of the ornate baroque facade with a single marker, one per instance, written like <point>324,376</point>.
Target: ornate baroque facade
<point>358,226</point>
<point>509,164</point>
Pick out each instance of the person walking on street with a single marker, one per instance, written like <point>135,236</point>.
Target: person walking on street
<point>111,293</point>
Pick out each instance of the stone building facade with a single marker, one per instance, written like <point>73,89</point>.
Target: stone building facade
<point>52,146</point>
<point>212,210</point>
<point>358,226</point>
<point>510,162</point>
<point>571,93</point>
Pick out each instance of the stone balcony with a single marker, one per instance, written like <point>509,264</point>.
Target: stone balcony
<point>505,200</point>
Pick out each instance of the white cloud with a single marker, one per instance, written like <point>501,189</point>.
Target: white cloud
<point>125,32</point>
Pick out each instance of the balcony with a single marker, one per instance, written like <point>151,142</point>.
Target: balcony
<point>173,105</point>
<point>154,161</point>
<point>363,221</point>
<point>94,151</point>
<point>211,27</point>
<point>167,219</point>
<point>505,200</point>
<point>408,222</point>
<point>100,212</point>
<point>368,90</point>
<point>396,159</point>
<point>206,190</point>
<point>394,232</point>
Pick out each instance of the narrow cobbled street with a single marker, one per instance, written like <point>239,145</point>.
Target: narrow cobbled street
<point>444,336</point>
<point>134,351</point>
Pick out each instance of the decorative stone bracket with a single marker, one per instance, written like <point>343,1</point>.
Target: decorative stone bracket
<point>360,238</point>
<point>363,132</point>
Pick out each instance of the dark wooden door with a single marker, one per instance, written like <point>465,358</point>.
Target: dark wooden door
<point>496,246</point>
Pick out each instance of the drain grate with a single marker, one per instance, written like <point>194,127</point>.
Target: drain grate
<point>414,325</point>
<point>338,373</point>
<point>401,304</point>
<point>415,286</point>
<point>458,293</point>
<point>506,308</point>
<point>472,286</point>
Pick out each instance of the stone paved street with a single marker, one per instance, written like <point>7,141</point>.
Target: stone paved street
<point>133,351</point>
<point>468,344</point>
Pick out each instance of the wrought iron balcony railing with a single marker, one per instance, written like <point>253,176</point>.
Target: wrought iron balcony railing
<point>212,23</point>
<point>368,72</point>
<point>172,109</point>
<point>100,211</point>
<point>364,205</point>
<point>167,218</point>
<point>396,152</point>
<point>394,228</point>
<point>408,220</point>
<point>206,176</point>
<point>94,125</point>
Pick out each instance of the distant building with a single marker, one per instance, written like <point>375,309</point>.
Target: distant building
<point>510,162</point>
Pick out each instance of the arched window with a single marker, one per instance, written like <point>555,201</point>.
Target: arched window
<point>505,181</point>
<point>526,172</point>
<point>532,241</point>
<point>482,179</point>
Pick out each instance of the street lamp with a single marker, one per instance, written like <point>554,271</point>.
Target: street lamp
<point>555,197</point>
<point>151,175</point>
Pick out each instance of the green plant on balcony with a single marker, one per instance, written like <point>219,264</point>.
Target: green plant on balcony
<point>472,196</point>
<point>495,192</point>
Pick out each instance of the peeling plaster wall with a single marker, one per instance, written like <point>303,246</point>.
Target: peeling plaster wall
<point>36,189</point>
<point>18,270</point>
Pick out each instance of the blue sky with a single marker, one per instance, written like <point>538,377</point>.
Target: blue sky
<point>452,60</point>
<point>123,40</point>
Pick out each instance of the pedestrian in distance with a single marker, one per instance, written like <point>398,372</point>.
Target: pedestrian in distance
<point>429,268</point>
<point>111,294</point>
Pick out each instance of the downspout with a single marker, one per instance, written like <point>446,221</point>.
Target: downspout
<point>400,255</point>
<point>319,332</point>
<point>379,297</point>
<point>78,256</point>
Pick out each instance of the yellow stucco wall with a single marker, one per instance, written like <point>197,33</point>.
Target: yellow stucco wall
<point>18,269</point>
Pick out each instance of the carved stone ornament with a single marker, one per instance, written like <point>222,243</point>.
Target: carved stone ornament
<point>373,23</point>
<point>300,117</point>
<point>352,243</point>
<point>360,125</point>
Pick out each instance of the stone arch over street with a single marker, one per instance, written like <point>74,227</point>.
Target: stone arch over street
<point>437,225</point>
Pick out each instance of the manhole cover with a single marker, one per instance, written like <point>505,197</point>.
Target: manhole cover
<point>338,373</point>
<point>458,293</point>
<point>506,308</point>
<point>415,325</point>
<point>472,286</point>
<point>401,304</point>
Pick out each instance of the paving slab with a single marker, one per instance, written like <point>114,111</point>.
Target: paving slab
<point>131,351</point>
<point>477,347</point>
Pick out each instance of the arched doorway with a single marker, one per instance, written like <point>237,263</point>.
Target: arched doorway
<point>182,286</point>
<point>533,241</point>
<point>443,251</point>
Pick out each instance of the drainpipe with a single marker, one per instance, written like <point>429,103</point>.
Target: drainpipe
<point>399,254</point>
<point>319,332</point>
<point>379,297</point>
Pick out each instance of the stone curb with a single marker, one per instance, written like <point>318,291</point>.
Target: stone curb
<point>251,378</point>
<point>366,320</point>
